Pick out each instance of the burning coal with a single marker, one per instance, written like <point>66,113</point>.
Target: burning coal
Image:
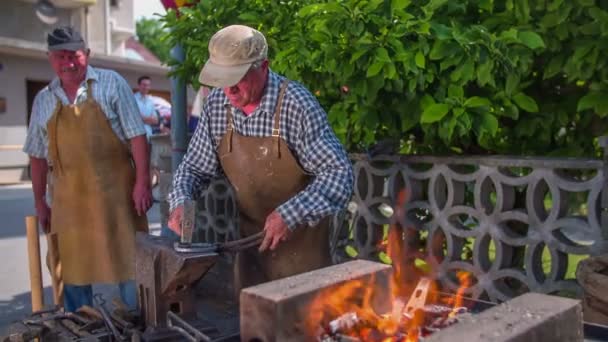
<point>360,311</point>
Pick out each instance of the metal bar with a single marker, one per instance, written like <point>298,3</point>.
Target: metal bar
<point>604,199</point>
<point>187,224</point>
<point>179,127</point>
<point>108,320</point>
<point>185,329</point>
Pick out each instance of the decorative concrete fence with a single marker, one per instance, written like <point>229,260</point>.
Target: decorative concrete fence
<point>517,224</point>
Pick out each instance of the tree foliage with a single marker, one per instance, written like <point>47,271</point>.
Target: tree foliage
<point>151,33</point>
<point>438,76</point>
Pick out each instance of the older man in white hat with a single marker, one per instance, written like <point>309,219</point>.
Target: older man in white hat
<point>272,140</point>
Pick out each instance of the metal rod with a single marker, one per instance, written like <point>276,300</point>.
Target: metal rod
<point>108,320</point>
<point>185,329</point>
<point>179,117</point>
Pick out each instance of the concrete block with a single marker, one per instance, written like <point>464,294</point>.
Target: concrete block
<point>532,317</point>
<point>277,310</point>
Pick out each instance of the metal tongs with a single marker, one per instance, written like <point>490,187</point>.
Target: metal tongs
<point>226,247</point>
<point>185,245</point>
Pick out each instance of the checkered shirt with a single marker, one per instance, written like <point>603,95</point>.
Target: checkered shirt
<point>303,125</point>
<point>110,90</point>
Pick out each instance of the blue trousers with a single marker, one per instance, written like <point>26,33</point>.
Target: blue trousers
<point>75,296</point>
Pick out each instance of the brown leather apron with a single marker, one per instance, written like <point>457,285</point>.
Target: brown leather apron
<point>265,174</point>
<point>92,210</point>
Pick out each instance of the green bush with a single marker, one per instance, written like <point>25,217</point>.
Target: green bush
<point>438,76</point>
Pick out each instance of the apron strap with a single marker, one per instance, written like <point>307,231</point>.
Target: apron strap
<point>229,127</point>
<point>54,145</point>
<point>90,89</point>
<point>276,132</point>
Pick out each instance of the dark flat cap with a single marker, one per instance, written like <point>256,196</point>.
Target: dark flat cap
<point>65,38</point>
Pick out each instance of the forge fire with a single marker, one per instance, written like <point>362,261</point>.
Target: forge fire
<point>349,314</point>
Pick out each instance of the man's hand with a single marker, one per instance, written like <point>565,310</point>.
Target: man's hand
<point>142,197</point>
<point>276,231</point>
<point>175,220</point>
<point>44,216</point>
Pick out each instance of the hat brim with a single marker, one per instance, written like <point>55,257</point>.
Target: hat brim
<point>220,76</point>
<point>72,46</point>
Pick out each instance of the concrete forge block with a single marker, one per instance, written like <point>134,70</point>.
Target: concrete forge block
<point>532,317</point>
<point>277,310</point>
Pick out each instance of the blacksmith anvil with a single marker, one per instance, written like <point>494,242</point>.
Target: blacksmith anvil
<point>165,280</point>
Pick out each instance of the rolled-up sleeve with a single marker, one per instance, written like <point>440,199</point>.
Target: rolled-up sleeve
<point>322,154</point>
<point>35,141</point>
<point>125,106</point>
<point>199,166</point>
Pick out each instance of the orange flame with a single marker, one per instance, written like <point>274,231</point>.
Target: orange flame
<point>352,307</point>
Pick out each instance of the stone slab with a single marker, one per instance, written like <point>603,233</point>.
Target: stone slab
<point>531,317</point>
<point>276,311</point>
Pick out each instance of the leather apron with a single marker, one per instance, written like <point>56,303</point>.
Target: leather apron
<point>265,174</point>
<point>92,210</point>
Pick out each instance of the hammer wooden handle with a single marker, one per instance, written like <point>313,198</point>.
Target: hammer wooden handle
<point>33,252</point>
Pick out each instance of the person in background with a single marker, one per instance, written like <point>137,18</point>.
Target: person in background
<point>86,130</point>
<point>146,105</point>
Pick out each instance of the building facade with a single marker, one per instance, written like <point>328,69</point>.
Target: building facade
<point>107,25</point>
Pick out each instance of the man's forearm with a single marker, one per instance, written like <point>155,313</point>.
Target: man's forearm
<point>150,120</point>
<point>39,168</point>
<point>141,157</point>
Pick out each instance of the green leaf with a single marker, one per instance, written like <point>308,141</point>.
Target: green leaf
<point>509,35</point>
<point>554,67</point>
<point>426,101</point>
<point>420,60</point>
<point>400,4</point>
<point>382,55</point>
<point>522,12</point>
<point>455,92</point>
<point>525,102</point>
<point>511,84</point>
<point>357,54</point>
<point>441,31</point>
<point>442,49</point>
<point>594,100</point>
<point>446,129</point>
<point>588,101</point>
<point>450,61</point>
<point>457,111</point>
<point>477,101</point>
<point>390,70</point>
<point>487,5</point>
<point>531,40</point>
<point>484,73</point>
<point>586,3</point>
<point>488,124</point>
<point>374,69</point>
<point>434,113</point>
<point>463,71</point>
<point>554,5</point>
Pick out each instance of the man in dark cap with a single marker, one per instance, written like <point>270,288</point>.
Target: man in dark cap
<point>86,130</point>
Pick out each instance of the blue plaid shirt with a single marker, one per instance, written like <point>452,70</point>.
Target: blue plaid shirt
<point>110,90</point>
<point>303,125</point>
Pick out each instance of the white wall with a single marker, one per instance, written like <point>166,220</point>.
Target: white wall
<point>20,21</point>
